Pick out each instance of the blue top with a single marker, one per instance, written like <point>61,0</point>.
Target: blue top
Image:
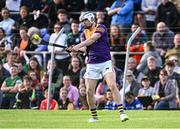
<point>99,51</point>
<point>125,16</point>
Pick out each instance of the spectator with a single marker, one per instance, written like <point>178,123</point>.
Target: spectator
<point>25,18</point>
<point>8,24</point>
<point>54,6</point>
<point>101,18</point>
<point>73,93</point>
<point>131,84</point>
<point>149,50</point>
<point>149,7</point>
<point>152,71</point>
<point>110,104</point>
<point>163,38</point>
<point>144,91</point>
<point>117,39</point>
<point>169,66</point>
<point>10,88</point>
<point>62,16</point>
<point>176,63</point>
<point>131,102</point>
<point>53,103</point>
<point>100,95</point>
<point>4,42</point>
<point>57,78</point>
<point>122,14</point>
<point>19,64</point>
<point>23,97</point>
<point>62,57</point>
<point>164,92</point>
<point>23,42</point>
<point>132,66</point>
<point>33,65</point>
<point>82,101</point>
<point>11,58</point>
<point>64,102</point>
<point>73,37</point>
<point>175,51</point>
<point>137,44</point>
<point>74,71</point>
<point>167,13</point>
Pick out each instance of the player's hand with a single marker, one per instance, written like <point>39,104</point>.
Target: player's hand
<point>76,48</point>
<point>69,49</point>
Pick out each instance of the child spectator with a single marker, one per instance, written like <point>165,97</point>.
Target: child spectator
<point>110,104</point>
<point>53,105</point>
<point>131,103</point>
<point>82,101</point>
<point>64,102</point>
<point>23,97</point>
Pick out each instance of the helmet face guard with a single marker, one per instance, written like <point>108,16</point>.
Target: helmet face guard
<point>87,16</point>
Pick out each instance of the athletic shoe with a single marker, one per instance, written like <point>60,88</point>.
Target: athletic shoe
<point>92,120</point>
<point>123,117</point>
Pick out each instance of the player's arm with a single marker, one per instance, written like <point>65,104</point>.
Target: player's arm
<point>87,42</point>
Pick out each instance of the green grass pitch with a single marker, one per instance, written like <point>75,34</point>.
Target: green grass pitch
<point>34,119</point>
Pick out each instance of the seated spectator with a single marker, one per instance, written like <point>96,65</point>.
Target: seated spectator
<point>57,78</point>
<point>162,38</point>
<point>23,97</point>
<point>54,6</point>
<point>8,24</point>
<point>137,44</point>
<point>82,101</point>
<point>73,38</point>
<point>4,42</point>
<point>62,16</point>
<point>175,51</point>
<point>61,56</point>
<point>23,43</point>
<point>101,18</point>
<point>100,94</point>
<point>131,102</point>
<point>145,91</point>
<point>64,102</point>
<point>149,50</point>
<point>73,93</point>
<point>164,92</point>
<point>74,70</point>
<point>176,61</point>
<point>53,105</point>
<point>10,88</point>
<point>117,39</point>
<point>131,84</point>
<point>25,19</point>
<point>167,13</point>
<point>33,65</point>
<point>110,104</point>
<point>152,71</point>
<point>19,64</point>
<point>132,64</point>
<point>169,66</point>
<point>10,60</point>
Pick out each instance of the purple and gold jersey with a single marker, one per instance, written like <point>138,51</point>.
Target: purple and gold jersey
<point>99,51</point>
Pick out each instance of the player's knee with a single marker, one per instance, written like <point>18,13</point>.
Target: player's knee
<point>112,86</point>
<point>89,92</point>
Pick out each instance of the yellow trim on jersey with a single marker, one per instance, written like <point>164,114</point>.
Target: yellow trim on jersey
<point>88,32</point>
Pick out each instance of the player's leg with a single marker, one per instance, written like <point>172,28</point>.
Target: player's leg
<point>90,90</point>
<point>110,78</point>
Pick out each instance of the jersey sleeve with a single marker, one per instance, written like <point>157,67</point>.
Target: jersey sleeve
<point>101,29</point>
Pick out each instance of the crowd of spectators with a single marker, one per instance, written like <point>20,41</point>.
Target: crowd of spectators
<point>152,79</point>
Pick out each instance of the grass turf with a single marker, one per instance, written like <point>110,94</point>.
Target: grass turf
<point>78,119</point>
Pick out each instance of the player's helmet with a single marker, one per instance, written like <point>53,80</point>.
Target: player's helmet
<point>87,15</point>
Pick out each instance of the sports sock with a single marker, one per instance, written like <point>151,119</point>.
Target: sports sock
<point>120,108</point>
<point>94,113</point>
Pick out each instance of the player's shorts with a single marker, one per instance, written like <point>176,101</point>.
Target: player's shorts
<point>97,71</point>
